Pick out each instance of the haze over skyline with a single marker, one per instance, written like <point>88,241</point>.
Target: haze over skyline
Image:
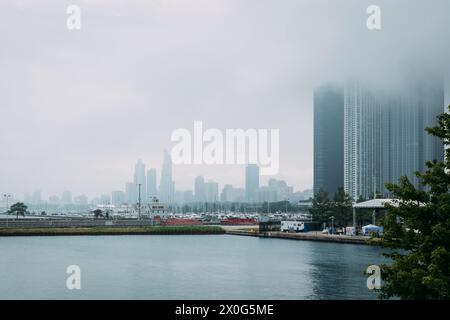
<point>79,108</point>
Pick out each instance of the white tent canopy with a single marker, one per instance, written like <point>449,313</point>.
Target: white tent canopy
<point>375,204</point>
<point>379,203</point>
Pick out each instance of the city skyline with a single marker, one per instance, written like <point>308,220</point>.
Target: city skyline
<point>326,134</point>
<point>202,190</point>
<point>90,102</point>
<point>325,96</point>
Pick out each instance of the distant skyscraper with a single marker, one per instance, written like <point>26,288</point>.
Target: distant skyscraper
<point>225,195</point>
<point>230,194</point>
<point>279,188</point>
<point>152,190</point>
<point>167,185</point>
<point>178,197</point>
<point>188,196</point>
<point>199,189</point>
<point>66,197</point>
<point>251,182</point>
<point>139,179</point>
<point>118,198</point>
<point>105,199</point>
<point>81,200</point>
<point>53,200</point>
<point>328,139</point>
<point>211,191</point>
<point>34,198</point>
<point>131,193</point>
<point>266,194</point>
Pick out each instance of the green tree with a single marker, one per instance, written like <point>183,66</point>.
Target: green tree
<point>98,213</point>
<point>19,208</point>
<point>321,207</point>
<point>342,207</point>
<point>418,230</point>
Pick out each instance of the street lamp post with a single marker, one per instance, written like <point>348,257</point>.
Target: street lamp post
<point>332,224</point>
<point>139,202</point>
<point>7,196</point>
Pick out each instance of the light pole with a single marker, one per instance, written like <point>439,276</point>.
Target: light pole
<point>332,224</point>
<point>139,202</point>
<point>7,196</point>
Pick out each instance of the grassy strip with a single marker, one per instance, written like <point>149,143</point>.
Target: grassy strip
<point>157,230</point>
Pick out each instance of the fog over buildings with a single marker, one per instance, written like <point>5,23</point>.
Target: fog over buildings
<point>79,108</point>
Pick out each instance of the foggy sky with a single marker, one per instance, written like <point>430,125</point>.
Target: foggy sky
<point>79,108</point>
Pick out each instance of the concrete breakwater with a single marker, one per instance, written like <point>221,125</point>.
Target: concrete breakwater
<point>97,231</point>
<point>311,236</point>
<point>73,223</point>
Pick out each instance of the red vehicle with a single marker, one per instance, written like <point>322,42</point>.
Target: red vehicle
<point>238,221</point>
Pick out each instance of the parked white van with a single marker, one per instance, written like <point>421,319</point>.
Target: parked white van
<point>292,226</point>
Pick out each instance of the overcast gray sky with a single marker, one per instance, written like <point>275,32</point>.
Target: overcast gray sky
<point>78,108</point>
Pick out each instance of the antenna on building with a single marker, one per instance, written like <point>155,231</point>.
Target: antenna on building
<point>139,201</point>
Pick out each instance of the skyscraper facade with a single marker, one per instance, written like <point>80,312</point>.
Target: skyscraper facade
<point>166,186</point>
<point>118,198</point>
<point>211,191</point>
<point>152,190</point>
<point>66,197</point>
<point>230,194</point>
<point>199,189</point>
<point>140,181</point>
<point>362,142</point>
<point>188,196</point>
<point>251,182</point>
<point>131,193</point>
<point>385,137</point>
<point>328,139</point>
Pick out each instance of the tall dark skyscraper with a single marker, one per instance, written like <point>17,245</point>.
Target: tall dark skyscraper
<point>251,182</point>
<point>328,139</point>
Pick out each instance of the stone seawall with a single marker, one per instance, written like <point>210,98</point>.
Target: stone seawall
<point>310,236</point>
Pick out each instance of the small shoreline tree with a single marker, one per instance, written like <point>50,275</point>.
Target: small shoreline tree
<point>19,208</point>
<point>417,230</point>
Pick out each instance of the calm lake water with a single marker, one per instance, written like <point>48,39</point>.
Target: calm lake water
<point>184,267</point>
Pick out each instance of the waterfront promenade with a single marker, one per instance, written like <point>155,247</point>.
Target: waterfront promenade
<point>310,236</point>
